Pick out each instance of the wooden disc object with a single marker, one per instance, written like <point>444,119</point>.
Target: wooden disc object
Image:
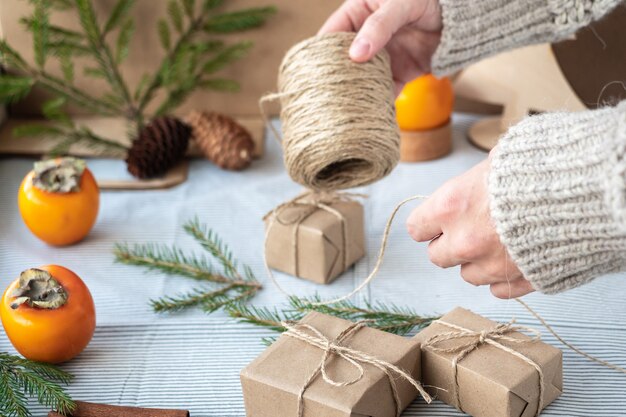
<point>484,134</point>
<point>586,71</point>
<point>425,145</point>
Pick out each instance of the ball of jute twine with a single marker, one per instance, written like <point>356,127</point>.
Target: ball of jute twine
<point>337,117</point>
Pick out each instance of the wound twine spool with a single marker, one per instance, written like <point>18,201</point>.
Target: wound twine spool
<point>337,116</point>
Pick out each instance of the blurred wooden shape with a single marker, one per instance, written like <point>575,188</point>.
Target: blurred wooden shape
<point>586,71</point>
<point>175,176</point>
<point>425,145</point>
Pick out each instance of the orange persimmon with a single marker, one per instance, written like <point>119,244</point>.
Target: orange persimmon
<point>48,314</point>
<point>59,207</point>
<point>425,103</point>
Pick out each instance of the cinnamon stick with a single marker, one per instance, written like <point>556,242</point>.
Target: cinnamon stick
<point>85,409</point>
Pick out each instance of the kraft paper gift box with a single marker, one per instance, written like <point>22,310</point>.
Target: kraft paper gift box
<point>316,240</point>
<point>273,382</point>
<point>491,381</point>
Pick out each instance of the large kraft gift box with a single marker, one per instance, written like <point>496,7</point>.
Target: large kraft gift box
<point>273,382</point>
<point>313,242</point>
<point>491,381</point>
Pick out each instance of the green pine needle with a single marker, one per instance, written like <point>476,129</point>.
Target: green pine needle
<point>220,290</point>
<point>211,4</point>
<point>123,40</point>
<point>14,88</point>
<point>41,24</point>
<point>120,11</point>
<point>21,379</point>
<point>175,12</point>
<point>387,317</point>
<point>226,56</point>
<point>164,34</point>
<point>190,7</point>
<point>239,20</point>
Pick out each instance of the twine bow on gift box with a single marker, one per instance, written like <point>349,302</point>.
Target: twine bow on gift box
<point>472,340</point>
<point>312,336</point>
<point>311,202</point>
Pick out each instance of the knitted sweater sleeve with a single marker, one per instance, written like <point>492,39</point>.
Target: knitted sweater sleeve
<point>558,196</point>
<point>473,30</point>
<point>557,184</point>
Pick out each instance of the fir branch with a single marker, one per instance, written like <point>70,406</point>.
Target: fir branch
<point>262,316</point>
<point>14,88</point>
<point>214,245</point>
<point>123,43</point>
<point>103,55</point>
<point>21,378</point>
<point>225,289</point>
<point>56,33</point>
<point>164,34</point>
<point>189,6</point>
<point>67,133</point>
<point>390,318</point>
<point>239,20</point>
<point>53,110</point>
<point>226,56</point>
<point>175,13</point>
<point>208,5</point>
<point>41,21</point>
<point>120,11</point>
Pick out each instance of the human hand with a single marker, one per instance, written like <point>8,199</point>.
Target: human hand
<point>410,29</point>
<point>457,221</point>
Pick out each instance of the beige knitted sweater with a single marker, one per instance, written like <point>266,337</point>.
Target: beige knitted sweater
<point>558,181</point>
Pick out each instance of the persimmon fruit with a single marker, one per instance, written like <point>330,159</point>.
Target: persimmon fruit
<point>48,314</point>
<point>59,201</point>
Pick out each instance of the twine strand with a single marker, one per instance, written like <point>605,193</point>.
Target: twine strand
<point>312,336</point>
<point>567,344</point>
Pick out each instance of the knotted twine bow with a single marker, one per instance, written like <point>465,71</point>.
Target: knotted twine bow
<point>476,339</point>
<point>311,202</point>
<point>312,336</point>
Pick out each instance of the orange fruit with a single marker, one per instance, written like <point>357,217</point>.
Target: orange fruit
<point>425,103</point>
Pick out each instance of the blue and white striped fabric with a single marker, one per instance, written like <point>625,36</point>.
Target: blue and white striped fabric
<point>192,361</point>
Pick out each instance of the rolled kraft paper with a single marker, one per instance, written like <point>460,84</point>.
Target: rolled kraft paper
<point>85,409</point>
<point>338,120</point>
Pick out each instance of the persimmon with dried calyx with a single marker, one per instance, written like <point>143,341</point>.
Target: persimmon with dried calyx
<point>48,314</point>
<point>59,201</point>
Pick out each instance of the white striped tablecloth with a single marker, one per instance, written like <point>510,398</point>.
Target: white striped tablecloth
<point>192,361</point>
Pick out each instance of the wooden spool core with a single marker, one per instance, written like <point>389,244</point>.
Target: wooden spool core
<point>425,145</point>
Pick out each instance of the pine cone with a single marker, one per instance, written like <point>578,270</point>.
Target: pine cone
<point>159,146</point>
<point>222,140</point>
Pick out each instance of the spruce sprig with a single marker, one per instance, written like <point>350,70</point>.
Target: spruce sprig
<point>387,317</point>
<point>222,288</point>
<point>189,63</point>
<point>21,379</point>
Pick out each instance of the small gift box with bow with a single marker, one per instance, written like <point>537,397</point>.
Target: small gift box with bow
<point>487,369</point>
<point>316,236</point>
<point>326,366</point>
